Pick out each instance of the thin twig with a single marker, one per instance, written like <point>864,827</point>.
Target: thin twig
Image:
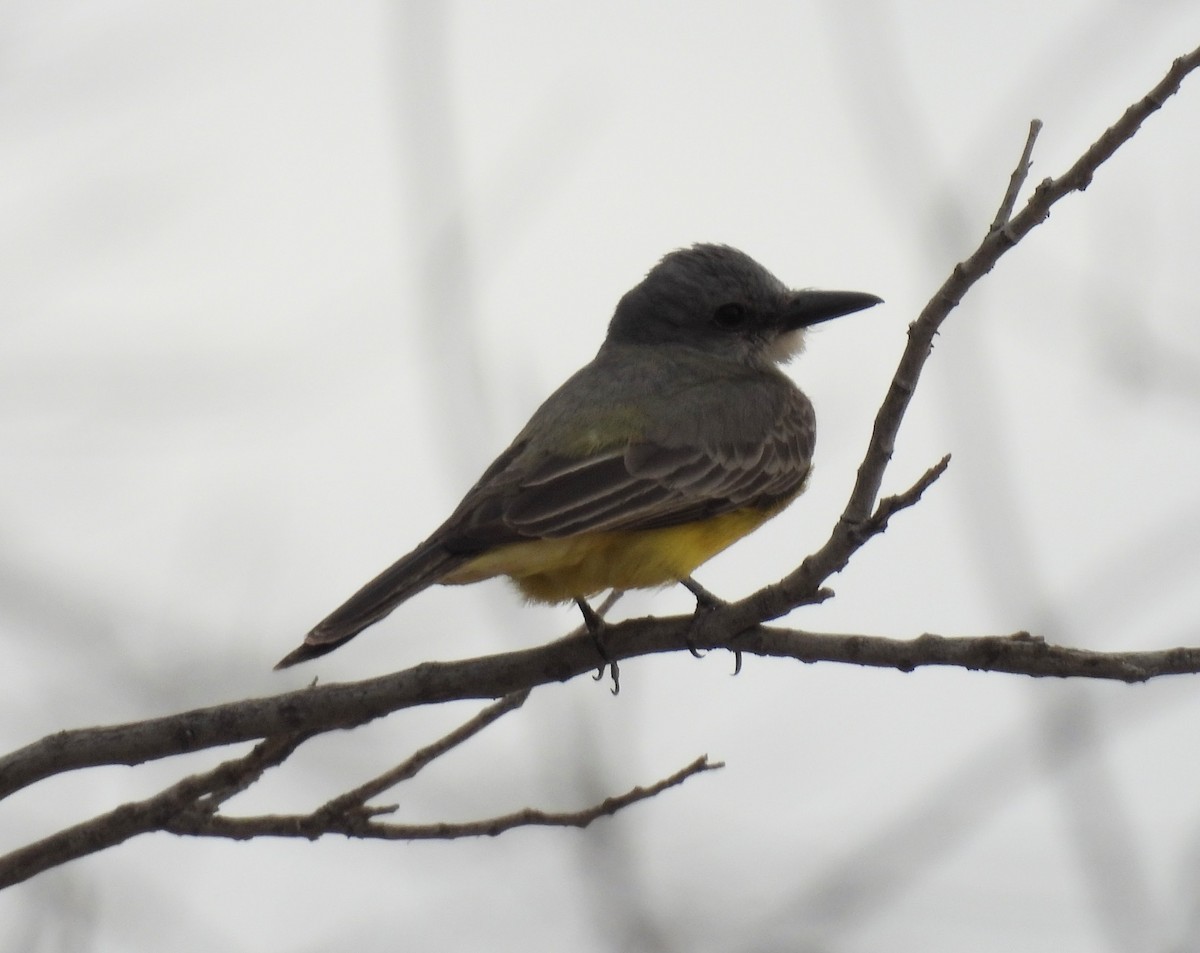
<point>1017,179</point>
<point>409,768</point>
<point>889,506</point>
<point>362,825</point>
<point>268,753</point>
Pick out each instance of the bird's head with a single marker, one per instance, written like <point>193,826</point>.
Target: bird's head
<point>720,300</point>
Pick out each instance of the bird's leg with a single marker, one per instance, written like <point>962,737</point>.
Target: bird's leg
<point>704,599</point>
<point>705,602</point>
<point>596,626</point>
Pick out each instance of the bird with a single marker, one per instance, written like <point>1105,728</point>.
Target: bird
<point>680,437</point>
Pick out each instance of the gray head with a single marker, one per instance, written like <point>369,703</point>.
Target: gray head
<point>721,300</point>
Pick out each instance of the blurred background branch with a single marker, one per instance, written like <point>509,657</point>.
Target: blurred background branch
<point>240,234</point>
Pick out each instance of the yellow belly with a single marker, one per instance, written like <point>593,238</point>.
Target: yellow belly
<point>557,570</point>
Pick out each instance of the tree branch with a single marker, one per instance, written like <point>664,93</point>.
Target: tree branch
<point>802,585</point>
<point>190,806</point>
<point>321,707</point>
<point>1017,179</point>
<point>360,822</point>
<point>140,817</point>
<point>409,768</point>
<point>1016,654</point>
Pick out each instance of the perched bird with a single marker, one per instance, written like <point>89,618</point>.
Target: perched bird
<point>680,437</point>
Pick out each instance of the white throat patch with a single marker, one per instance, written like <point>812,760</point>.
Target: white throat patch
<point>786,346</point>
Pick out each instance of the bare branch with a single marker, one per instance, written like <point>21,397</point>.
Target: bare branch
<point>889,506</point>
<point>361,824</point>
<point>197,798</point>
<point>140,817</point>
<point>1016,654</point>
<point>353,703</point>
<point>978,264</point>
<point>802,584</point>
<point>412,765</point>
<point>1017,179</point>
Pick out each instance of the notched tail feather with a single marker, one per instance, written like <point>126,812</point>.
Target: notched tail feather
<point>421,568</point>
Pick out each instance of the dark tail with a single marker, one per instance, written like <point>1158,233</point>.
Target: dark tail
<point>420,569</point>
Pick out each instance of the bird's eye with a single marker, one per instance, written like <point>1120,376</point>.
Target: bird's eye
<point>730,315</point>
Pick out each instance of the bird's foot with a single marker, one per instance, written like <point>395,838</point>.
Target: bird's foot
<point>596,625</point>
<point>704,599</point>
<point>705,602</point>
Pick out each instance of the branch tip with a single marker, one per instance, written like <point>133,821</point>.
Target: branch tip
<point>1015,182</point>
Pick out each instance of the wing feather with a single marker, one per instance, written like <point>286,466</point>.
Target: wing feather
<point>643,484</point>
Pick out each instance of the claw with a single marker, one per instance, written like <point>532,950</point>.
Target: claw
<point>705,602</point>
<point>596,626</point>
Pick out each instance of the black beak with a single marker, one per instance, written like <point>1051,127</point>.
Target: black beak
<point>810,306</point>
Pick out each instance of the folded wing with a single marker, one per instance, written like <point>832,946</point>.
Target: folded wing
<point>643,485</point>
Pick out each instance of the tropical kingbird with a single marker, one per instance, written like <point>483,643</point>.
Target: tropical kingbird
<point>680,437</point>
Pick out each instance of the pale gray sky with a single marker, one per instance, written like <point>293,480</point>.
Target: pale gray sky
<point>279,279</point>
